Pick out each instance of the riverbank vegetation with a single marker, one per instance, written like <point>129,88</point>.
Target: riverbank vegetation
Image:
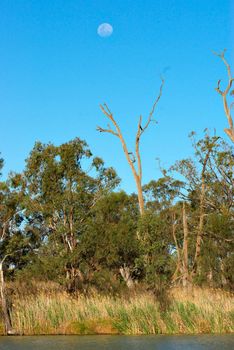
<point>113,268</point>
<point>118,259</point>
<point>56,312</point>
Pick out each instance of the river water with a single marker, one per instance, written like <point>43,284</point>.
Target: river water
<point>162,342</point>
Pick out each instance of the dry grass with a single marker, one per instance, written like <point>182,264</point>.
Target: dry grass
<point>196,311</point>
<point>206,299</point>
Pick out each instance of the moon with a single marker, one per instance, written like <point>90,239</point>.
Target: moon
<point>104,30</point>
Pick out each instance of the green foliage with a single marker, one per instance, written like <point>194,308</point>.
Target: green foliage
<point>156,258</point>
<point>14,245</point>
<point>59,198</point>
<point>110,241</point>
<point>212,169</point>
<point>1,165</point>
<point>162,193</point>
<point>62,220</point>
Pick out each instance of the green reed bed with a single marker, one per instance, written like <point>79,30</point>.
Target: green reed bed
<point>141,314</point>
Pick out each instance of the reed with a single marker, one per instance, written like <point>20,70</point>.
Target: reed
<point>190,312</point>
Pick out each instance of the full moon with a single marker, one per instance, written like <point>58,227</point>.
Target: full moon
<point>105,30</point>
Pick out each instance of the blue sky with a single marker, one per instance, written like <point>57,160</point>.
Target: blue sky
<point>55,71</point>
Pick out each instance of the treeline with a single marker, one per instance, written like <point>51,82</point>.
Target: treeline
<point>64,219</point>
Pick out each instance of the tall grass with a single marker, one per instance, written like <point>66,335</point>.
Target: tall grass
<point>198,311</point>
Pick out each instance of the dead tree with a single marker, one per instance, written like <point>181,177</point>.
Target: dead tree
<point>5,309</point>
<point>227,109</point>
<point>182,267</point>
<point>200,232</point>
<point>133,159</point>
<point>3,294</point>
<point>126,275</point>
<point>185,247</point>
<point>176,275</point>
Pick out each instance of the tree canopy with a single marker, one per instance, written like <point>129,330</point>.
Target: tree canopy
<point>64,219</point>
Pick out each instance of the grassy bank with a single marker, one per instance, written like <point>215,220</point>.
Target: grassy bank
<point>199,311</point>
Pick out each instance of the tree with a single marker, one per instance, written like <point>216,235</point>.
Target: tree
<point>60,195</point>
<point>110,242</point>
<point>224,94</point>
<point>132,157</point>
<point>208,193</point>
<point>155,228</point>
<point>5,311</point>
<point>12,242</point>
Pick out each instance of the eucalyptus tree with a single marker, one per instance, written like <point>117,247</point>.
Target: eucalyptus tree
<point>208,194</point>
<point>109,248</point>
<point>63,184</point>
<point>155,230</point>
<point>12,243</point>
<point>4,307</point>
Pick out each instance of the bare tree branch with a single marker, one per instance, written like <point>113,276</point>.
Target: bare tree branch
<point>224,93</point>
<point>107,130</point>
<point>131,158</point>
<point>150,117</point>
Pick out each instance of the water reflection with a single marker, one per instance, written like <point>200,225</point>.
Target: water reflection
<point>208,342</point>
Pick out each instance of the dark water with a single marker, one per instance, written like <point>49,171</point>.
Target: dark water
<point>208,342</point>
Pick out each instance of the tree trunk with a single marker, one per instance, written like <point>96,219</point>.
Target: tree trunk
<point>210,278</point>
<point>140,195</point>
<point>200,228</point>
<point>227,109</point>
<point>74,278</point>
<point>178,265</point>
<point>201,215</point>
<point>125,273</point>
<point>132,158</point>
<point>223,278</point>
<point>5,310</point>
<point>185,278</point>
